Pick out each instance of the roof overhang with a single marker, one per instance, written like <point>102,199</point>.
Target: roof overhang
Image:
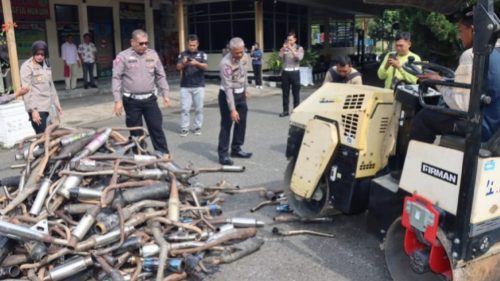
<point>440,6</point>
<point>352,7</point>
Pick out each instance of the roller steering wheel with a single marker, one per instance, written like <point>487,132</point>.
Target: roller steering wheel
<point>419,68</point>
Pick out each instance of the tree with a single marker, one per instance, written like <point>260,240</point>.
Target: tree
<point>434,37</point>
<point>381,28</point>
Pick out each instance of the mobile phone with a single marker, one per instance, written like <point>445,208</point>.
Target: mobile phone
<point>393,56</point>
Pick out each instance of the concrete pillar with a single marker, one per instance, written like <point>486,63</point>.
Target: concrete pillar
<point>84,19</point>
<point>180,25</point>
<point>259,23</point>
<point>11,45</point>
<point>327,33</point>
<point>309,23</point>
<point>117,28</point>
<point>149,18</point>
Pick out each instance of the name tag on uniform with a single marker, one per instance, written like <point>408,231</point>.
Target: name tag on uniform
<point>150,59</point>
<point>131,60</point>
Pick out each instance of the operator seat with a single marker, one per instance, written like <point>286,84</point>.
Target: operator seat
<point>458,143</point>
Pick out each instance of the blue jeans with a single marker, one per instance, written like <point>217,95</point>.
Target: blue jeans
<point>195,97</point>
<point>88,73</point>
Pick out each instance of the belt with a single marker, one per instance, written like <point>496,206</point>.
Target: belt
<point>290,68</point>
<point>138,96</point>
<point>235,91</point>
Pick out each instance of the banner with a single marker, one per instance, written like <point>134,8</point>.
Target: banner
<point>30,10</point>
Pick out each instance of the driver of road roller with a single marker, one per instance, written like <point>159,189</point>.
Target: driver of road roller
<point>427,123</point>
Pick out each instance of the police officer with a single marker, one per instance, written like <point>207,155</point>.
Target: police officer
<point>36,75</point>
<point>192,63</point>
<point>232,101</point>
<point>256,55</point>
<point>292,54</point>
<point>136,70</point>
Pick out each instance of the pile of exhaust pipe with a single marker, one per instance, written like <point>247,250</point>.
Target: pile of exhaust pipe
<point>91,204</point>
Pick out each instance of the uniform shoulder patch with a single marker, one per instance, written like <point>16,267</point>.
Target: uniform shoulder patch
<point>227,71</point>
<point>117,60</point>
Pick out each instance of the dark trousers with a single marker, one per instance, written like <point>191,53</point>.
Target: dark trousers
<point>257,74</point>
<point>43,124</point>
<point>290,78</point>
<point>226,123</point>
<point>136,109</point>
<point>88,73</point>
<point>429,123</point>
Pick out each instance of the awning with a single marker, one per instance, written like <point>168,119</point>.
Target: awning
<point>440,6</point>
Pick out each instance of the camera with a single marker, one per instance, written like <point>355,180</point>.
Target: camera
<point>189,59</point>
<point>393,55</point>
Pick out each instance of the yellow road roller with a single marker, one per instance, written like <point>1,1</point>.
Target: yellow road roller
<point>345,140</point>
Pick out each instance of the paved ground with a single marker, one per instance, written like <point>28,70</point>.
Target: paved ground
<point>353,254</point>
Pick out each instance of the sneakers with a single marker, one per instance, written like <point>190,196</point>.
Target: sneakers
<point>184,133</point>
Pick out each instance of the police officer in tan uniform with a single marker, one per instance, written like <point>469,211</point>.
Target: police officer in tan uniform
<point>292,54</point>
<point>36,75</point>
<point>136,71</point>
<point>232,102</point>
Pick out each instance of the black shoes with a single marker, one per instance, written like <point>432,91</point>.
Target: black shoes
<point>241,154</point>
<point>284,113</point>
<point>93,86</point>
<point>225,161</point>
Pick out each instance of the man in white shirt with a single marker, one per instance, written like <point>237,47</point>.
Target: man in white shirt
<point>87,51</point>
<point>428,123</point>
<point>69,54</point>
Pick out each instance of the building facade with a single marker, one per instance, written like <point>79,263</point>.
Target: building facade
<point>318,24</point>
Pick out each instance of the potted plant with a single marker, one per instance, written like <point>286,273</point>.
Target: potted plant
<point>306,67</point>
<point>275,64</point>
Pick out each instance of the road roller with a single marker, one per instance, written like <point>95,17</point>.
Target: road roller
<point>449,228</point>
<point>346,142</point>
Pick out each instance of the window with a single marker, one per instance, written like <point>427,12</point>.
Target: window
<point>281,18</point>
<point>221,21</point>
<point>216,23</point>
<point>342,33</point>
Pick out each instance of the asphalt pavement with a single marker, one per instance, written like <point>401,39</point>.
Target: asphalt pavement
<point>354,254</point>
